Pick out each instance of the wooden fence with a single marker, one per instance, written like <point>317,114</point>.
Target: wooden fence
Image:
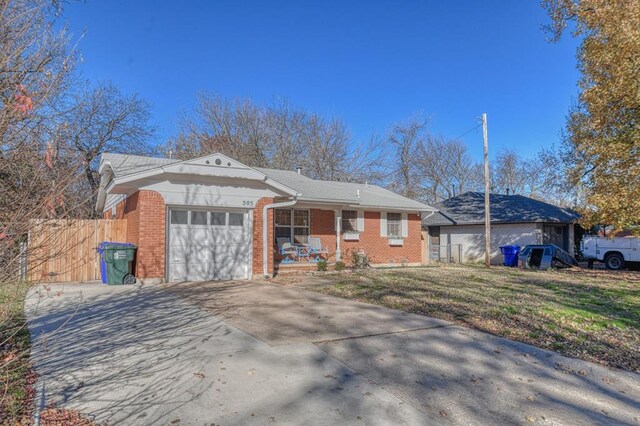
<point>65,250</point>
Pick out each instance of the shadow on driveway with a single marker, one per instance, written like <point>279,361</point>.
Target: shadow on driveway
<point>452,374</point>
<point>141,355</point>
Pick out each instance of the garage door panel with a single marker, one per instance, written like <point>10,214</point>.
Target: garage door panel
<point>180,253</point>
<point>201,254</point>
<point>229,255</point>
<point>198,271</point>
<point>179,236</point>
<point>207,252</point>
<point>178,271</point>
<point>197,235</point>
<point>226,236</point>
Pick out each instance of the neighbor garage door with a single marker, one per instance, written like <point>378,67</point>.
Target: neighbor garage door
<point>208,245</point>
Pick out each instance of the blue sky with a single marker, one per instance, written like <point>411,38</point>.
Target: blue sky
<point>371,63</point>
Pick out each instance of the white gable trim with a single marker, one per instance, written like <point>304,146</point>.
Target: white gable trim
<point>215,165</point>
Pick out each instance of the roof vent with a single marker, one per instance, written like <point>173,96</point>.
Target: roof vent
<point>299,170</point>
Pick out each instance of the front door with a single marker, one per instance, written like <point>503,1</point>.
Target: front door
<point>556,235</point>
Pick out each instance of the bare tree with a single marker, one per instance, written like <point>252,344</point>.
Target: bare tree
<point>515,174</point>
<point>35,184</point>
<point>543,176</point>
<point>446,169</point>
<point>34,72</point>
<point>34,69</point>
<point>406,139</point>
<point>102,120</point>
<point>275,135</point>
<point>555,185</point>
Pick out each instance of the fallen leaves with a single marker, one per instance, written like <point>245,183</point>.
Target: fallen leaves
<point>53,416</point>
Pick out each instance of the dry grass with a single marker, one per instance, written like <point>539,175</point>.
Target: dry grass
<point>592,315</point>
<point>16,375</point>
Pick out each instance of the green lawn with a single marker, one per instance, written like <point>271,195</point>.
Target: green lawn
<point>592,315</point>
<point>16,375</point>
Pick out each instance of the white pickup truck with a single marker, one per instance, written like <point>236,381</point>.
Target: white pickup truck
<point>616,253</point>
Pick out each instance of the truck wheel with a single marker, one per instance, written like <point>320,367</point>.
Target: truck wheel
<point>614,261</point>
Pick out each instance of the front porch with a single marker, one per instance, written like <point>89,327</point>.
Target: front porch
<point>305,236</point>
<point>306,233</point>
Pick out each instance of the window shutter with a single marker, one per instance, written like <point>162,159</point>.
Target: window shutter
<point>405,226</point>
<point>383,224</point>
<point>360,221</point>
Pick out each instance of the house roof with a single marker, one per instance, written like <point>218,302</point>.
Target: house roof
<point>468,209</point>
<point>125,164</point>
<point>311,190</point>
<point>361,194</point>
<point>437,219</point>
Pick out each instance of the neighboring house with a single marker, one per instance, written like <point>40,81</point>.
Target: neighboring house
<point>457,229</point>
<point>214,218</point>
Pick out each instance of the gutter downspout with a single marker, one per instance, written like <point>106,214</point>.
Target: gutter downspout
<point>430,214</point>
<point>338,214</point>
<point>265,229</point>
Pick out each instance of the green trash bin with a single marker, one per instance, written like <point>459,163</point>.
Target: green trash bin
<point>119,261</point>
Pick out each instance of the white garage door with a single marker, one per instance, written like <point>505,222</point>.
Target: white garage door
<point>209,245</point>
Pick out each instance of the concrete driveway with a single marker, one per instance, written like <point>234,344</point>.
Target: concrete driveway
<point>261,353</point>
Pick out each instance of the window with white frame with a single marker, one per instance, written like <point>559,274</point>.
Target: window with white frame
<point>292,224</point>
<point>394,225</point>
<point>349,220</point>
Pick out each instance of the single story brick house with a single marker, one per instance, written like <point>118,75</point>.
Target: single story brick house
<point>214,218</point>
<point>457,230</point>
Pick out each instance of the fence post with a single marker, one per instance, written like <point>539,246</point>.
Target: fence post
<point>22,261</point>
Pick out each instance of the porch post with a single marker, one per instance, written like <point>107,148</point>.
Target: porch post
<point>338,224</point>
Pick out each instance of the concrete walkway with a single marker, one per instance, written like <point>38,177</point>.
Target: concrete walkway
<point>260,353</point>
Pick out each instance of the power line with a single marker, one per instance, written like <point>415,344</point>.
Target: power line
<point>469,131</point>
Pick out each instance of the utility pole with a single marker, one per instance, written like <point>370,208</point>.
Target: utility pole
<point>487,214</point>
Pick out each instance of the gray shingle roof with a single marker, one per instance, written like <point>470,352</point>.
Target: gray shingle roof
<point>468,208</point>
<point>125,164</point>
<point>437,219</point>
<point>346,192</point>
<point>311,189</point>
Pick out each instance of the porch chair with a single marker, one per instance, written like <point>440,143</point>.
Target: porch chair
<point>316,250</point>
<point>281,240</point>
<point>286,249</point>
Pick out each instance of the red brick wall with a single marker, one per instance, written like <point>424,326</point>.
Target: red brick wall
<point>145,213</point>
<point>130,209</point>
<point>257,236</point>
<point>323,226</point>
<point>378,247</point>
<point>152,236</point>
